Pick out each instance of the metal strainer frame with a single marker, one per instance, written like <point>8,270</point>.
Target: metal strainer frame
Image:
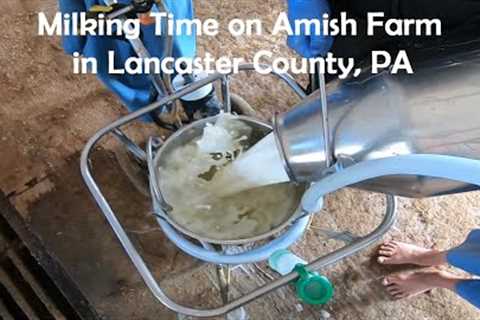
<point>139,263</point>
<point>153,159</point>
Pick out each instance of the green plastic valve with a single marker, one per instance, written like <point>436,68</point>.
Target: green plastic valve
<point>312,288</point>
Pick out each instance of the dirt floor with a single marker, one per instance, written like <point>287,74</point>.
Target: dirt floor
<point>46,116</point>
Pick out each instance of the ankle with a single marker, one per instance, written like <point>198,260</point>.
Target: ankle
<point>444,280</point>
<point>438,257</point>
<point>429,258</point>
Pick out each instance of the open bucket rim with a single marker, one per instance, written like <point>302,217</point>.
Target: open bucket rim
<point>278,229</point>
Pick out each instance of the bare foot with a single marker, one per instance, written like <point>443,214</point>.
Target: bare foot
<point>407,285</point>
<point>394,252</point>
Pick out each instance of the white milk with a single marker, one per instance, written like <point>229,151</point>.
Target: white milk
<point>261,165</point>
<point>231,204</point>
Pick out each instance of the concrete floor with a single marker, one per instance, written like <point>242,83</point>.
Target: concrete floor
<point>46,116</point>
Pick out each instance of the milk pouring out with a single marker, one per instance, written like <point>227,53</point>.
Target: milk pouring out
<point>224,185</point>
<point>261,165</point>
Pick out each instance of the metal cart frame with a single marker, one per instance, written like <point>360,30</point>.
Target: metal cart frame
<point>114,128</point>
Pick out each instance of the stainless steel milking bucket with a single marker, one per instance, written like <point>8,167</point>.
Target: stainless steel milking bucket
<point>434,111</point>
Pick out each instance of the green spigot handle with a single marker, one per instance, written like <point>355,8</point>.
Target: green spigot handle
<point>312,288</point>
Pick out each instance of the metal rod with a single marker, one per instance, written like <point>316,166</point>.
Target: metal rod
<point>223,281</point>
<point>285,77</point>
<point>142,53</point>
<point>227,103</point>
<point>120,12</point>
<point>325,123</point>
<point>130,144</point>
<point>168,45</point>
